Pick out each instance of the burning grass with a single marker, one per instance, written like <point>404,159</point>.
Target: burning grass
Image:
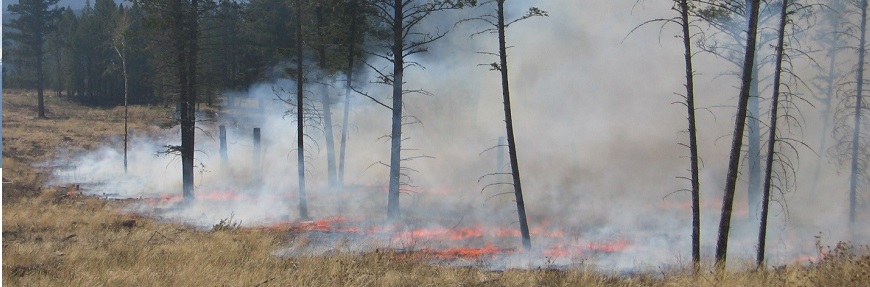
<point>54,236</point>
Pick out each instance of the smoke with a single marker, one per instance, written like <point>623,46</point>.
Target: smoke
<point>597,135</point>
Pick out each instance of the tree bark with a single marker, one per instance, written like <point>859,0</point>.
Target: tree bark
<point>512,146</point>
<point>300,147</point>
<point>771,140</point>
<point>693,142</point>
<point>183,47</point>
<point>737,138</point>
<point>396,132</point>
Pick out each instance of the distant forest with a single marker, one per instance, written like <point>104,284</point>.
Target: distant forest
<point>240,43</point>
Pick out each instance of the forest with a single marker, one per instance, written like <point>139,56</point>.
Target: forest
<point>490,133</point>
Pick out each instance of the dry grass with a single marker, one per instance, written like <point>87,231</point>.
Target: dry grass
<point>53,239</point>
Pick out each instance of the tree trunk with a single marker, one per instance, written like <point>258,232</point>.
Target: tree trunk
<point>40,79</point>
<point>826,112</point>
<point>327,106</point>
<point>693,142</point>
<point>771,140</point>
<point>350,61</point>
<point>185,99</point>
<point>396,133</point>
<point>300,147</point>
<point>853,181</point>
<point>737,139</point>
<point>753,144</point>
<point>512,146</point>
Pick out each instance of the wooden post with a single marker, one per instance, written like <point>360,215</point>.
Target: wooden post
<point>223,139</point>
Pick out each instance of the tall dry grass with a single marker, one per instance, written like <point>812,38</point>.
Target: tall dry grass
<point>52,237</point>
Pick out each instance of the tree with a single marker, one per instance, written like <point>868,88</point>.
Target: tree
<point>324,100</point>
<point>833,44</point>
<point>772,138</point>
<point>119,44</point>
<point>404,17</point>
<point>36,19</point>
<point>497,25</point>
<point>300,147</point>
<point>851,149</point>
<point>730,17</point>
<point>683,8</point>
<point>351,43</point>
<point>737,137</point>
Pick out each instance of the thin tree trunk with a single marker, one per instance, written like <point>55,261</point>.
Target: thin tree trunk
<point>771,140</point>
<point>396,133</point>
<point>327,106</point>
<point>348,88</point>
<point>512,146</point>
<point>853,181</point>
<point>826,112</point>
<point>185,99</point>
<point>126,110</point>
<point>753,144</point>
<point>300,147</point>
<point>693,142</point>
<point>40,79</point>
<point>737,139</point>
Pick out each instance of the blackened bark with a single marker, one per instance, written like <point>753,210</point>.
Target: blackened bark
<point>396,132</point>
<point>512,146</point>
<point>693,142</point>
<point>184,77</point>
<point>300,147</point>
<point>737,138</point>
<point>771,140</point>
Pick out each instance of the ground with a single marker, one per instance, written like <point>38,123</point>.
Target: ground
<point>52,236</point>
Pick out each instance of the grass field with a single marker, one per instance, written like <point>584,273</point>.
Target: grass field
<point>52,237</point>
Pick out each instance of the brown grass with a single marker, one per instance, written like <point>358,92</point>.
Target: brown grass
<point>51,238</point>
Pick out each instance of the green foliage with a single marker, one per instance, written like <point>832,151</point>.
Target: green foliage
<point>241,43</point>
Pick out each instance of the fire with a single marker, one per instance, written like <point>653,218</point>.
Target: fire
<point>444,243</point>
<point>466,253</point>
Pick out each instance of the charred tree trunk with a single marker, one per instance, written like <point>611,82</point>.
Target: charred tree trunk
<point>349,86</point>
<point>185,98</point>
<point>853,181</point>
<point>512,146</point>
<point>693,142</point>
<point>753,140</point>
<point>327,106</point>
<point>737,138</point>
<point>300,147</point>
<point>771,140</point>
<point>396,133</point>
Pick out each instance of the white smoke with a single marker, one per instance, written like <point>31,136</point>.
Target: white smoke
<point>597,134</point>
